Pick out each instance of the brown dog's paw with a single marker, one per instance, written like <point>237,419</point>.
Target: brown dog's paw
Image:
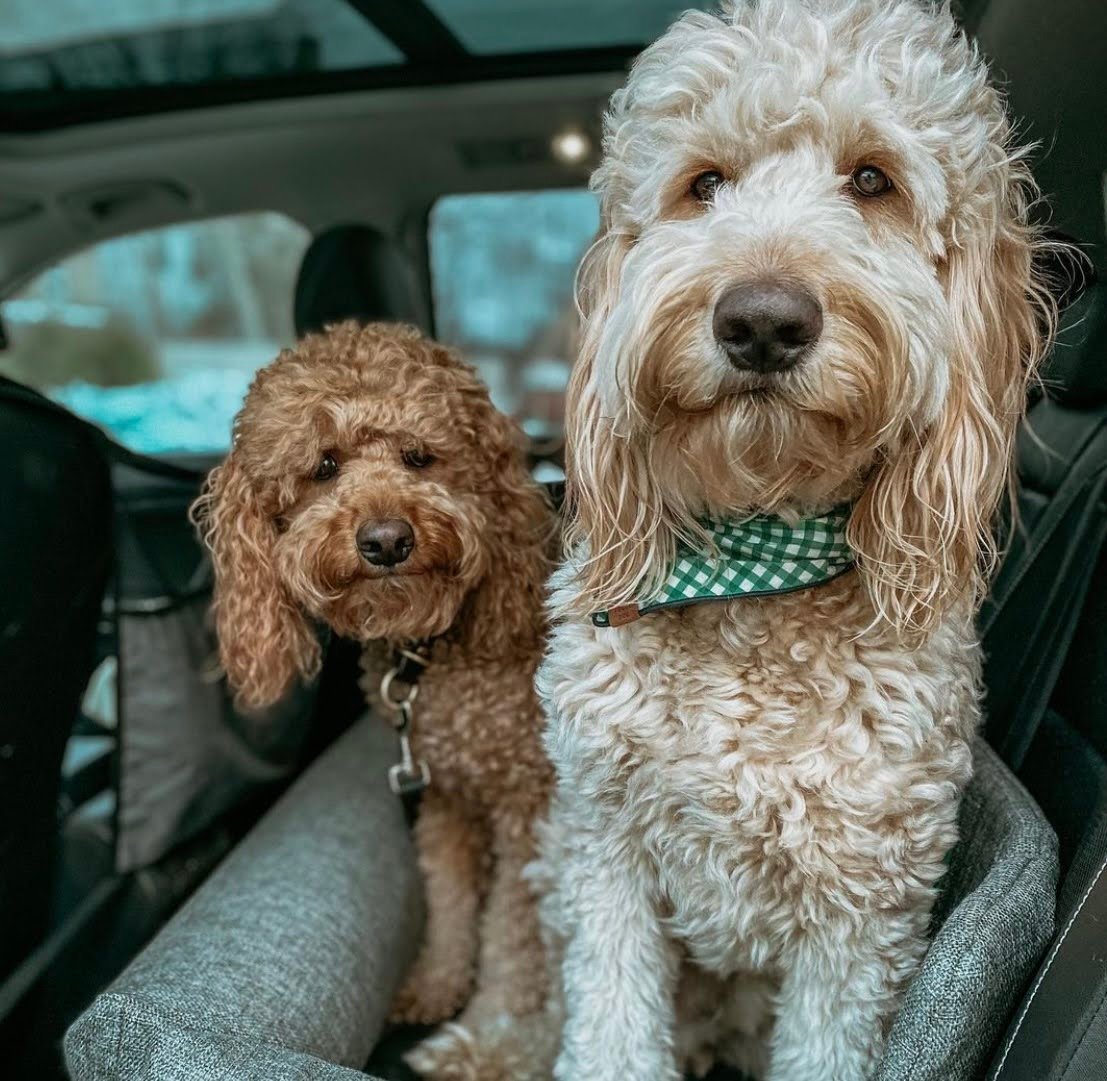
<point>429,998</point>
<point>501,1050</point>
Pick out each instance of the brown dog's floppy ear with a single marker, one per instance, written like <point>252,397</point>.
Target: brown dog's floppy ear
<point>923,527</point>
<point>264,640</point>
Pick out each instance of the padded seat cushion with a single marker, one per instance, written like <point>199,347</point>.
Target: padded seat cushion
<point>127,1037</point>
<point>282,966</point>
<point>994,919</point>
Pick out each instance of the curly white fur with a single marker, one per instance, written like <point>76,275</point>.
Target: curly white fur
<point>755,798</point>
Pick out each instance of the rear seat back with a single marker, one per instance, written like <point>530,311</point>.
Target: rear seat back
<point>55,559</point>
<point>1062,472</point>
<point>1045,637</point>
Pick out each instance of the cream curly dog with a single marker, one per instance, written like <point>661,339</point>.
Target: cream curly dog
<point>813,288</point>
<point>373,486</point>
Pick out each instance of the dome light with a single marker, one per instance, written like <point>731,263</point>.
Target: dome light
<point>571,146</point>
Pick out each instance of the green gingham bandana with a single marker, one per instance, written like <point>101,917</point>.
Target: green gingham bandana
<point>756,556</point>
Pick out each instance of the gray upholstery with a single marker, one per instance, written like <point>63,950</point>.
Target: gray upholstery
<point>185,757</point>
<point>995,920</point>
<point>283,965</point>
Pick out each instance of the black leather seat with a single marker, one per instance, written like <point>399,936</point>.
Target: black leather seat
<point>55,560</point>
<point>1061,457</point>
<point>1046,644</point>
<point>353,272</point>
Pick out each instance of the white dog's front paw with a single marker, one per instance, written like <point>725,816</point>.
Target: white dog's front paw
<point>602,1061</point>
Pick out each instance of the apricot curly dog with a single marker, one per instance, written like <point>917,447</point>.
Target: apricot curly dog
<point>373,486</point>
<point>810,319</point>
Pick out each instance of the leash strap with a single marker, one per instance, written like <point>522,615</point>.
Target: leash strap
<point>399,689</point>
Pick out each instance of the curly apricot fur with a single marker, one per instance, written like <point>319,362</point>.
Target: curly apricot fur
<point>284,548</point>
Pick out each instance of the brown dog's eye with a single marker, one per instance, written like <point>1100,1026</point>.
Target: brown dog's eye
<point>868,180</point>
<point>328,467</point>
<point>416,457</point>
<point>706,185</point>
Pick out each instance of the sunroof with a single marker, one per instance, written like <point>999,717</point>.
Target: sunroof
<point>68,62</point>
<point>130,44</point>
<point>513,26</point>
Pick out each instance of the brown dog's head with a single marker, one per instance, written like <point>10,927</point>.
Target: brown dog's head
<point>372,485</point>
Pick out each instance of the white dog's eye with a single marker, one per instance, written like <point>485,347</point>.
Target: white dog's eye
<point>706,185</point>
<point>868,180</point>
<point>328,467</point>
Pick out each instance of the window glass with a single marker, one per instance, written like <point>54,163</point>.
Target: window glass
<point>156,336</point>
<point>512,26</point>
<point>69,45</point>
<point>503,268</point>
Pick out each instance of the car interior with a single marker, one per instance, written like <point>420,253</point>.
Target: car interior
<point>368,124</point>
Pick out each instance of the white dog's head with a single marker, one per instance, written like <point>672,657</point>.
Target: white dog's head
<point>813,282</point>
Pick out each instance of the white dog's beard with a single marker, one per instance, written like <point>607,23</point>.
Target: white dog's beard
<point>754,456</point>
<point>721,438</point>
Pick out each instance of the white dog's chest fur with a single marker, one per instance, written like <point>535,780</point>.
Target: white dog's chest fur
<point>773,769</point>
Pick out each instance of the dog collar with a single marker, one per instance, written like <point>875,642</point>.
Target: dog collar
<point>752,557</point>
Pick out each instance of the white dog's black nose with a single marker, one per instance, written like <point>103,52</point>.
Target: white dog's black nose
<point>385,543</point>
<point>767,326</point>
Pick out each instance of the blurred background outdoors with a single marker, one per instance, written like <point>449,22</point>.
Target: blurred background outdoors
<point>156,336</point>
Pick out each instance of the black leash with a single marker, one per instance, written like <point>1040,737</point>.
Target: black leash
<point>410,776</point>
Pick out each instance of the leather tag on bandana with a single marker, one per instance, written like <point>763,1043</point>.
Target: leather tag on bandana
<point>622,614</point>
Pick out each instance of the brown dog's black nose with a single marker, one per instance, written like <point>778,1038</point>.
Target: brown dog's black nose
<point>385,543</point>
<point>767,326</point>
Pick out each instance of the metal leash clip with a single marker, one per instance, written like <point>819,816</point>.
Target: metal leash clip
<point>409,776</point>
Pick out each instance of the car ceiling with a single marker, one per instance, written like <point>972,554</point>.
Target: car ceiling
<point>384,155</point>
<point>380,157</point>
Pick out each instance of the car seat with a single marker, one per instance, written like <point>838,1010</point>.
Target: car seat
<point>1045,639</point>
<point>55,558</point>
<point>352,272</point>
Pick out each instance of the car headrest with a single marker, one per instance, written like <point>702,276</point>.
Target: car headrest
<point>352,272</point>
<point>1076,372</point>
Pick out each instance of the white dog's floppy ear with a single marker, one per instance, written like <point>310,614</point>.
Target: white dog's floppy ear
<point>923,527</point>
<point>264,640</point>
<point>613,506</point>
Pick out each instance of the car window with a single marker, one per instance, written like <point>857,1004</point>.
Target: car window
<point>502,273</point>
<point>155,336</point>
<point>154,43</point>
<point>506,26</point>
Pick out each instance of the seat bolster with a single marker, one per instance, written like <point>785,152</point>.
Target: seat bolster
<point>995,917</point>
<point>297,942</point>
<point>125,1038</point>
